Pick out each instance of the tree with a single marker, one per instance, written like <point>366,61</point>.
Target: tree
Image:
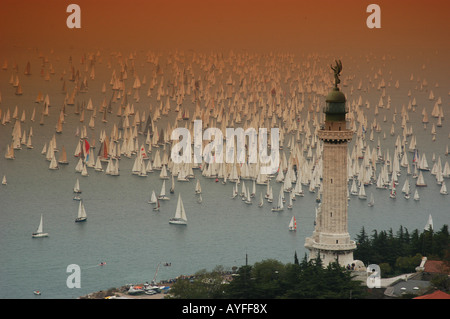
<point>242,285</point>
<point>204,285</point>
<point>295,258</point>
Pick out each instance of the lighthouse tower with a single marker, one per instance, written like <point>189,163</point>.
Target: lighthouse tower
<point>330,239</point>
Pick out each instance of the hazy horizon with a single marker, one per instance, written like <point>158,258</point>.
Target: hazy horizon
<point>202,25</point>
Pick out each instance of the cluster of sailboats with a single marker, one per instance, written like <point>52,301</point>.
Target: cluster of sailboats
<point>234,90</point>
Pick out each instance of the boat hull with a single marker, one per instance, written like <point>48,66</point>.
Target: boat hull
<point>177,221</point>
<point>39,235</point>
<point>80,219</point>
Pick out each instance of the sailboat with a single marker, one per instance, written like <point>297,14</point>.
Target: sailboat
<point>63,157</point>
<point>76,188</point>
<point>53,164</point>
<point>429,223</point>
<point>293,224</point>
<point>235,191</point>
<point>82,217</point>
<point>180,214</point>
<point>280,205</point>
<point>247,198</point>
<point>40,232</point>
<point>4,182</point>
<point>420,180</point>
<point>153,198</point>
<point>443,190</point>
<point>393,193</point>
<point>270,195</point>
<point>371,201</point>
<point>406,189</point>
<point>162,194</point>
<point>362,192</point>
<point>416,196</point>
<point>198,188</point>
<point>354,189</point>
<point>157,206</point>
<point>289,206</point>
<point>261,201</point>
<point>172,187</point>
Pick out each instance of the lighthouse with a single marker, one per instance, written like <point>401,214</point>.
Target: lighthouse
<point>330,239</point>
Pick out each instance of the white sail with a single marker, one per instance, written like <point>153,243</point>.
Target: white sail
<point>371,200</point>
<point>153,198</point>
<point>293,224</point>
<point>40,230</point>
<point>443,190</point>
<point>429,223</point>
<point>76,188</point>
<point>420,180</point>
<point>261,201</point>
<point>53,163</point>
<point>81,213</point>
<point>362,192</point>
<point>416,195</point>
<point>180,214</point>
<point>280,205</point>
<point>162,194</point>
<point>198,188</point>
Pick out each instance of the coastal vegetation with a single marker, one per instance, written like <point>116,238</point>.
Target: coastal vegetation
<point>395,253</point>
<point>271,279</point>
<point>402,252</point>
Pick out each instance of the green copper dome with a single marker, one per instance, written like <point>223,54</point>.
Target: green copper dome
<point>335,109</point>
<point>336,96</point>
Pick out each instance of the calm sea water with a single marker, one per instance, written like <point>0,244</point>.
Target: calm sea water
<point>123,230</point>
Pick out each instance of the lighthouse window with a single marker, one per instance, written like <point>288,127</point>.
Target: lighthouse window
<point>339,128</point>
<point>336,241</point>
<point>331,181</point>
<point>331,214</point>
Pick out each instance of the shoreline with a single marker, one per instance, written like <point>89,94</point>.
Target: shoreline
<point>122,293</point>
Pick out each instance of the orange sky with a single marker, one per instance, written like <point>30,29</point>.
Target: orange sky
<point>284,25</point>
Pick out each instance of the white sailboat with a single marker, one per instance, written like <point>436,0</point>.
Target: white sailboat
<point>198,188</point>
<point>429,223</point>
<point>290,204</point>
<point>416,196</point>
<point>420,180</point>
<point>53,163</point>
<point>162,194</point>
<point>4,182</point>
<point>362,192</point>
<point>261,200</point>
<point>280,205</point>
<point>293,224</point>
<point>153,198</point>
<point>393,193</point>
<point>40,230</point>
<point>354,189</point>
<point>82,217</point>
<point>247,198</point>
<point>371,202</point>
<point>180,214</point>
<point>406,189</point>
<point>443,190</point>
<point>76,188</point>
<point>270,196</point>
<point>235,191</point>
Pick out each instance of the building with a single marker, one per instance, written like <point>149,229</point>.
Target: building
<point>330,239</point>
